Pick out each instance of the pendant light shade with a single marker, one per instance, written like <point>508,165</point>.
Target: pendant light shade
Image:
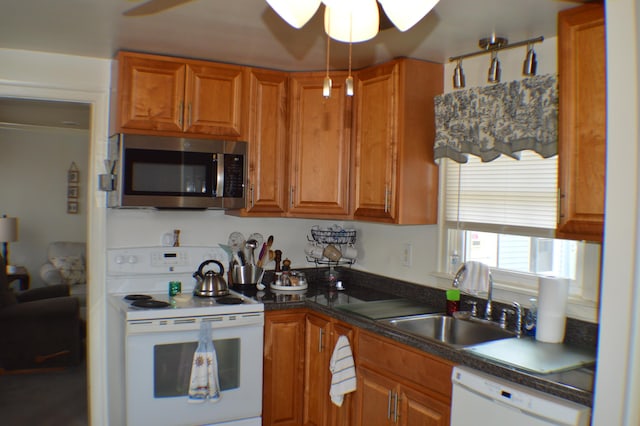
<point>406,13</point>
<point>458,76</point>
<point>493,76</point>
<point>351,21</point>
<point>530,63</point>
<point>295,12</point>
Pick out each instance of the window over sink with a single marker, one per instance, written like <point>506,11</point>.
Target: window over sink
<point>503,213</point>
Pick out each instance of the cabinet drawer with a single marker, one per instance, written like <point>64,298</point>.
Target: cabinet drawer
<point>407,363</point>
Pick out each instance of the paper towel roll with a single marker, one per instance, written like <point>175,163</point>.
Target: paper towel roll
<point>553,294</point>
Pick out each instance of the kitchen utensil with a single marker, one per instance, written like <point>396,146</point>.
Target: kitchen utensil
<point>265,250</point>
<point>236,241</point>
<point>241,258</point>
<point>251,245</point>
<point>210,284</point>
<point>258,237</point>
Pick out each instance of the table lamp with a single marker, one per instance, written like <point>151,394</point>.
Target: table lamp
<point>8,233</point>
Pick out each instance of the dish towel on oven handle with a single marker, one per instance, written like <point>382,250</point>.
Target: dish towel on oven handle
<point>204,384</point>
<point>343,371</point>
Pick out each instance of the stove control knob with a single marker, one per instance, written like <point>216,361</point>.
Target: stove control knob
<point>119,260</point>
<point>132,259</point>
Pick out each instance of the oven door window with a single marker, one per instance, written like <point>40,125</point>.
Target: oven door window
<point>170,173</point>
<point>172,366</point>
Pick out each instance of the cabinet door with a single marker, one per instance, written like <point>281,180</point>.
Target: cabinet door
<point>582,120</point>
<point>419,409</point>
<point>267,142</point>
<point>343,415</point>
<point>320,147</point>
<point>214,100</point>
<point>283,368</point>
<point>317,376</point>
<point>151,93</point>
<point>376,134</point>
<point>375,400</point>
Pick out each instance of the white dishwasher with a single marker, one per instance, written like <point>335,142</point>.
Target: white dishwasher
<point>479,397</point>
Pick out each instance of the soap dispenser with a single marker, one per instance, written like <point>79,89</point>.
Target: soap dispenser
<point>531,318</point>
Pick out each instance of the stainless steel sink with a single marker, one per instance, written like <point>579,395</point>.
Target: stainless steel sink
<point>452,331</point>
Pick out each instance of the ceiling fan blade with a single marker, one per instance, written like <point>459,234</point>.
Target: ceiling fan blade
<point>152,7</point>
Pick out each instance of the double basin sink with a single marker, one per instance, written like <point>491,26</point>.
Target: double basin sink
<point>422,321</point>
<point>452,331</point>
<point>473,335</point>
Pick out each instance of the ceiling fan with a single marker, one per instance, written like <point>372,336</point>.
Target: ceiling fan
<point>151,7</point>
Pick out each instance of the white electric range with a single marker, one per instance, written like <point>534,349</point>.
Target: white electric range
<point>154,347</point>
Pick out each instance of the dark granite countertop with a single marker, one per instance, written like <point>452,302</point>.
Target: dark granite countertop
<point>575,385</point>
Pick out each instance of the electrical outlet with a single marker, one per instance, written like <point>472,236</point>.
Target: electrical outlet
<point>407,254</point>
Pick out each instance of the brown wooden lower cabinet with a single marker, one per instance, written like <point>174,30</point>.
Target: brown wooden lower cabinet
<point>396,384</point>
<point>282,396</point>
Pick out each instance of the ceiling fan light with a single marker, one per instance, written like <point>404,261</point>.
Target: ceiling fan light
<point>295,12</point>
<point>352,21</point>
<point>406,13</point>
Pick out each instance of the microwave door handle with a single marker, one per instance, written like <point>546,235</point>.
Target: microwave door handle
<point>218,160</point>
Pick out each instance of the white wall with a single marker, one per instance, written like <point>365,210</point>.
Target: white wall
<point>37,75</point>
<point>33,169</point>
<point>618,369</point>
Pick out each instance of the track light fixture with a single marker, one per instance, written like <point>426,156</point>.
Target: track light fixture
<point>530,63</point>
<point>492,45</point>
<point>493,76</point>
<point>458,76</point>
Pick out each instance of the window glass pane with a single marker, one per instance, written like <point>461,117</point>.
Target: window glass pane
<point>531,255</point>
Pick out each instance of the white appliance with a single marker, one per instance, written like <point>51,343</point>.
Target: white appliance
<point>477,395</point>
<point>151,350</point>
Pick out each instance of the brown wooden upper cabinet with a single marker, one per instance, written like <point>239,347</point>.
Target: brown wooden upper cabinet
<point>582,122</point>
<point>268,143</point>
<point>395,177</point>
<point>319,147</point>
<point>173,96</point>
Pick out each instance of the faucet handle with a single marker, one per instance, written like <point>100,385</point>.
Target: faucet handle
<point>503,316</point>
<point>518,313</point>
<point>474,307</point>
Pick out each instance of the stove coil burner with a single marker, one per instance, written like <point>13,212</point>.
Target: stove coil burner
<point>150,303</point>
<point>229,300</point>
<point>137,297</point>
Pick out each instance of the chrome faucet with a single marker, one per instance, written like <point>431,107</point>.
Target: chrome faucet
<point>488,310</point>
<point>456,279</point>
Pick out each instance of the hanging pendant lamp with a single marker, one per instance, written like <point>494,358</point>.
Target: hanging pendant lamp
<point>295,12</point>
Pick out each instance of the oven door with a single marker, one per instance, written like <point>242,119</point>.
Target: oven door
<point>159,356</point>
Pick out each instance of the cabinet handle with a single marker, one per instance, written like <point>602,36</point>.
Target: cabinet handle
<point>395,408</point>
<point>180,112</point>
<point>251,195</point>
<point>560,204</point>
<point>291,196</point>
<point>189,115</point>
<point>389,398</point>
<point>320,340</point>
<point>386,199</point>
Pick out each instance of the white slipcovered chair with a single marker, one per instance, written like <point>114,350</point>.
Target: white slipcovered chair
<point>67,265</point>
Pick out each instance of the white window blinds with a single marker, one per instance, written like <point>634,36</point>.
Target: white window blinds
<point>504,196</point>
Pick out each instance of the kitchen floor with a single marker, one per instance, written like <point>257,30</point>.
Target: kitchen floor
<point>45,399</point>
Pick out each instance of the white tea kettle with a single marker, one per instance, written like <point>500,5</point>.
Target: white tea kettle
<point>210,284</point>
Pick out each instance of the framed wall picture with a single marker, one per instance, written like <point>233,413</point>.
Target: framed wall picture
<point>72,207</point>
<point>72,192</point>
<point>73,175</point>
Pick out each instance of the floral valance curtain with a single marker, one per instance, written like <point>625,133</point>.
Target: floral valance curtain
<point>499,119</point>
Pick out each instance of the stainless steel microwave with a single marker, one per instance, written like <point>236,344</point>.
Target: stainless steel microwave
<point>176,173</point>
